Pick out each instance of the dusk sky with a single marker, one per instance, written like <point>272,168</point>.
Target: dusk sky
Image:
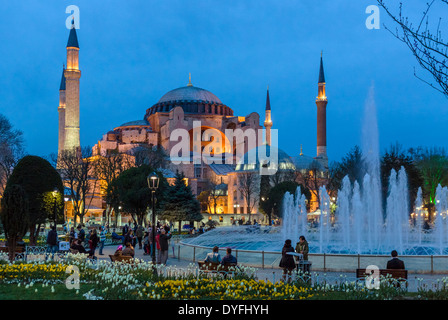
<point>133,52</point>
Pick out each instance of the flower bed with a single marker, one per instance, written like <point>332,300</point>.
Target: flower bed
<point>137,281</point>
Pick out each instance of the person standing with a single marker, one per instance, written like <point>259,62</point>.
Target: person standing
<point>81,234</point>
<point>103,234</point>
<point>287,262</point>
<point>163,241</point>
<point>139,234</point>
<point>52,241</point>
<point>93,242</point>
<point>303,248</point>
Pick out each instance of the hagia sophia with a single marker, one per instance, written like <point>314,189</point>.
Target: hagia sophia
<point>177,109</point>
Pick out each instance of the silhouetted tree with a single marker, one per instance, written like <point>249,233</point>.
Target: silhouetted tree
<point>14,216</point>
<point>77,170</point>
<point>39,180</point>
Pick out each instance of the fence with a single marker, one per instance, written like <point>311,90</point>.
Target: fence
<point>320,261</point>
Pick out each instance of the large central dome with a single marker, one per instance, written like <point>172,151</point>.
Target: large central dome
<point>192,100</point>
<point>190,93</point>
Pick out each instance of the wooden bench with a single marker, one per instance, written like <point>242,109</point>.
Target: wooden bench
<point>121,258</point>
<point>213,267</point>
<point>19,249</point>
<point>398,276</point>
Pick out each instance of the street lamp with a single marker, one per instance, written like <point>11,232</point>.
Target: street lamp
<point>55,194</point>
<point>153,184</point>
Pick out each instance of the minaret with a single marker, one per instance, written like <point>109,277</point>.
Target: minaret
<point>61,111</point>
<point>268,121</point>
<point>72,75</point>
<point>321,102</point>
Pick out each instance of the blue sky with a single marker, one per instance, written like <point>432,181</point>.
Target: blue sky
<point>133,52</point>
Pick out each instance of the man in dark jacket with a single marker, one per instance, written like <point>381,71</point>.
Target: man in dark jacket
<point>52,241</point>
<point>395,263</point>
<point>228,258</point>
<point>163,240</point>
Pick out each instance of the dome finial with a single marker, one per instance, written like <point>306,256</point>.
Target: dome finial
<point>301,150</point>
<point>189,80</point>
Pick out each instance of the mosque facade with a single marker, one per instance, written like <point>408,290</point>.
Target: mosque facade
<point>197,112</point>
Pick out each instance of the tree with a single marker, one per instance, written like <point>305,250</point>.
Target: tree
<point>424,40</point>
<point>11,150</point>
<point>395,158</point>
<point>39,180</point>
<point>216,190</point>
<point>153,156</point>
<point>77,169</point>
<point>432,164</point>
<point>249,186</point>
<point>107,168</point>
<point>274,201</point>
<point>352,164</point>
<point>133,192</point>
<point>313,178</point>
<point>14,215</point>
<point>203,199</point>
<point>179,203</point>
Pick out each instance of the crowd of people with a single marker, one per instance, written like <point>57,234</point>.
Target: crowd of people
<point>87,242</point>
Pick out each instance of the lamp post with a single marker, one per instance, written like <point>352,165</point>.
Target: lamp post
<point>55,194</point>
<point>153,184</point>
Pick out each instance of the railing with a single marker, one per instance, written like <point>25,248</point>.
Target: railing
<point>320,261</point>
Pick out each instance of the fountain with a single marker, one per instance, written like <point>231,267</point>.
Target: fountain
<point>360,224</point>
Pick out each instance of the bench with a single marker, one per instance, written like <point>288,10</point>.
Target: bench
<point>19,249</point>
<point>397,276</point>
<point>213,267</point>
<point>121,258</point>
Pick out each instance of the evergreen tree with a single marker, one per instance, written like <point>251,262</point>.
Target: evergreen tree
<point>131,190</point>
<point>39,179</point>
<point>179,203</point>
<point>15,216</point>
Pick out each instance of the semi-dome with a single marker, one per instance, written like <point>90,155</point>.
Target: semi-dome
<point>192,100</point>
<point>251,160</point>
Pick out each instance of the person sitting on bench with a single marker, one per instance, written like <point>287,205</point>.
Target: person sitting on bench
<point>213,256</point>
<point>395,263</point>
<point>129,250</point>
<point>76,245</point>
<point>228,258</point>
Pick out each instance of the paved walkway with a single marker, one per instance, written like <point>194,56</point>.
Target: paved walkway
<point>275,274</point>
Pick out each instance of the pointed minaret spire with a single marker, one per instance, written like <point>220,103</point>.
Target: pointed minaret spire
<point>321,71</point>
<point>61,114</point>
<point>72,38</point>
<point>268,121</point>
<point>62,86</point>
<point>268,101</point>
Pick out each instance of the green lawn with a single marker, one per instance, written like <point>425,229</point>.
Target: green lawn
<point>13,292</point>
